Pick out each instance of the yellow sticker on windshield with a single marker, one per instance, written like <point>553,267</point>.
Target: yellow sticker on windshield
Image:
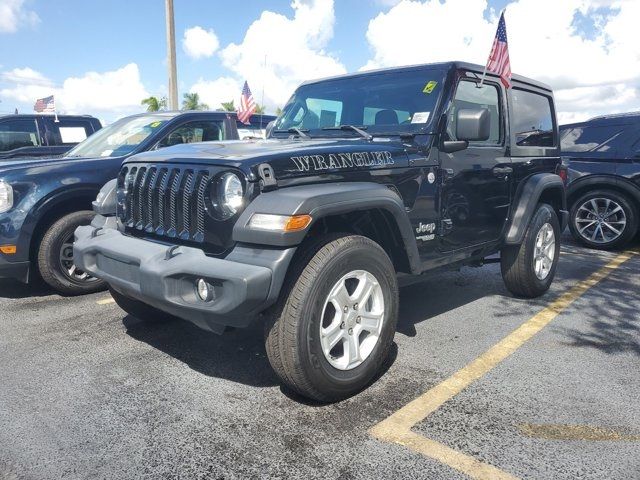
<point>155,124</point>
<point>429,87</point>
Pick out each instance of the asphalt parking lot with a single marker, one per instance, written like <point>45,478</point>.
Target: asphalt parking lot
<point>480,383</point>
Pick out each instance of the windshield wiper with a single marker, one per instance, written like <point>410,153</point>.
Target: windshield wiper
<point>359,130</point>
<point>298,131</point>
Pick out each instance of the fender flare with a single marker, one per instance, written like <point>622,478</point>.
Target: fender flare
<point>320,201</point>
<point>604,181</point>
<point>525,203</point>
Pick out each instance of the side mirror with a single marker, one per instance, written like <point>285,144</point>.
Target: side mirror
<point>473,124</point>
<point>269,128</point>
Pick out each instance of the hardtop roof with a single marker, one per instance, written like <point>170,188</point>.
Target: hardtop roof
<point>446,65</point>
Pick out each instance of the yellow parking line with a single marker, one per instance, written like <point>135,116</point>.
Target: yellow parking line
<point>106,301</point>
<point>397,427</point>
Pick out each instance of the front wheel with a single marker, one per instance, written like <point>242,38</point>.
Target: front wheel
<point>528,269</point>
<point>332,331</point>
<point>55,257</point>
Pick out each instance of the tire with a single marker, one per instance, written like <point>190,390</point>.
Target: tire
<point>139,309</point>
<point>293,333</point>
<point>601,234</point>
<point>518,262</point>
<point>54,260</point>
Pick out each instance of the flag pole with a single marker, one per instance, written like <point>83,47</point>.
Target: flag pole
<point>264,70</point>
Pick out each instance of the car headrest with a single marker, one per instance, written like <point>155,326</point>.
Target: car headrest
<point>386,117</point>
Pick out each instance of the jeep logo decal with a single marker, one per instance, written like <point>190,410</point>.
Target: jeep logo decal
<point>304,163</point>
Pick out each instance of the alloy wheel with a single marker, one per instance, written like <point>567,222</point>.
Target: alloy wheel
<point>545,251</point>
<point>352,320</point>
<point>68,267</point>
<point>600,220</point>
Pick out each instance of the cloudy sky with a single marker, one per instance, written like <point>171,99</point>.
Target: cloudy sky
<point>102,57</point>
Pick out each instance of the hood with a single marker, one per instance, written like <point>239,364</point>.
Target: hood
<point>12,164</point>
<point>287,157</point>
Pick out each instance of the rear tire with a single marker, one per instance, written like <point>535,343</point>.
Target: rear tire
<point>55,257</point>
<point>528,269</point>
<point>298,341</point>
<point>139,309</point>
<point>593,224</point>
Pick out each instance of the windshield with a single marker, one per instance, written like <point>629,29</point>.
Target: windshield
<point>382,103</point>
<point>119,138</point>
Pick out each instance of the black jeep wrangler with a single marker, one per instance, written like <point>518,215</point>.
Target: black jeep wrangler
<point>364,176</point>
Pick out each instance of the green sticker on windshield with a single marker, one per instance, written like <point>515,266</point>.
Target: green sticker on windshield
<point>429,87</point>
<point>155,124</point>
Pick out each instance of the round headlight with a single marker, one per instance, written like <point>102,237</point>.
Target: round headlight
<point>230,194</point>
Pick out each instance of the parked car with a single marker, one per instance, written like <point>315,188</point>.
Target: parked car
<point>401,170</point>
<point>257,127</point>
<point>604,179</point>
<point>42,201</point>
<point>43,136</point>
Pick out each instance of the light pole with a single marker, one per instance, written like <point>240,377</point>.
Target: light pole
<point>171,56</point>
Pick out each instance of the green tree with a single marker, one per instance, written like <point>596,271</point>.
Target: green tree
<point>191,101</point>
<point>260,110</point>
<point>228,106</point>
<point>154,103</point>
<point>278,111</point>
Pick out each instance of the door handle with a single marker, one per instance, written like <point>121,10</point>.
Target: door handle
<point>502,171</point>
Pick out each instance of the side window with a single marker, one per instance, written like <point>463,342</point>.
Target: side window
<point>17,134</point>
<point>72,132</point>
<point>193,132</point>
<point>468,95</point>
<point>532,120</point>
<point>590,138</point>
<point>322,113</point>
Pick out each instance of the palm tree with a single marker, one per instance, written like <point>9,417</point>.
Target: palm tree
<point>278,111</point>
<point>260,110</point>
<point>191,101</point>
<point>154,103</point>
<point>228,106</point>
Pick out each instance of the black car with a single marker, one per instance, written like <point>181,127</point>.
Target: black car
<point>256,128</point>
<point>43,135</point>
<point>604,179</point>
<point>402,170</point>
<point>42,201</point>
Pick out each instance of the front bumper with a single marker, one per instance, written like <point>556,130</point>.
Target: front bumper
<point>15,270</point>
<point>246,282</point>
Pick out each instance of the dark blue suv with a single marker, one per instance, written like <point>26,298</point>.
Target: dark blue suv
<point>603,194</point>
<point>43,201</point>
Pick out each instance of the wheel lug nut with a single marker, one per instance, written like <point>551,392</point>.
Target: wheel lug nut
<point>342,325</point>
<point>355,306</point>
<point>346,309</point>
<point>358,320</point>
<point>351,331</point>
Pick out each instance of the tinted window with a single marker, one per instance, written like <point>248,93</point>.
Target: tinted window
<point>532,120</point>
<point>193,132</point>
<point>582,139</point>
<point>401,101</point>
<point>468,95</point>
<point>17,134</point>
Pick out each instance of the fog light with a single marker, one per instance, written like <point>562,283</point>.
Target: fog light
<point>205,291</point>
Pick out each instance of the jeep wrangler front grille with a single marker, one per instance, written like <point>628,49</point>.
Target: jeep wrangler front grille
<point>166,201</point>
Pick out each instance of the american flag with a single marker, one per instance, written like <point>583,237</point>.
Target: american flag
<point>45,105</point>
<point>247,105</point>
<point>498,62</point>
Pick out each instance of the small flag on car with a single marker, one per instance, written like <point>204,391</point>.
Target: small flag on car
<point>247,105</point>
<point>45,105</point>
<point>498,61</point>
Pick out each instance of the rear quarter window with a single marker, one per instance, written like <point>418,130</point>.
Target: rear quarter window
<point>532,120</point>
<point>591,138</point>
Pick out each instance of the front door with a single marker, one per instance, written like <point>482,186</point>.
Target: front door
<point>474,201</point>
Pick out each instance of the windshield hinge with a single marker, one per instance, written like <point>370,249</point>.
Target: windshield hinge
<point>267,177</point>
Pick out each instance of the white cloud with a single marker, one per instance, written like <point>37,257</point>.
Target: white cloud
<point>14,15</point>
<point>116,92</point>
<point>214,92</point>
<point>295,50</point>
<point>199,43</point>
<point>592,74</point>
